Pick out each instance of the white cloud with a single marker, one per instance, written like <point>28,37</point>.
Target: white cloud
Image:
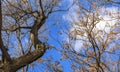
<point>108,19</point>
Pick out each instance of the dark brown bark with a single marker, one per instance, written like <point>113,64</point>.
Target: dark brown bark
<point>23,60</point>
<point>10,65</point>
<point>27,59</point>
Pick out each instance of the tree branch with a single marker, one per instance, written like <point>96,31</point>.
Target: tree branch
<point>5,56</point>
<point>17,28</point>
<point>27,58</point>
<point>41,7</point>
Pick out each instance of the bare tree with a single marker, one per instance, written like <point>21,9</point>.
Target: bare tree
<point>93,40</point>
<point>19,18</point>
<point>90,40</point>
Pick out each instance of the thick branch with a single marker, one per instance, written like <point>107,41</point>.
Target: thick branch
<point>41,7</point>
<point>27,59</point>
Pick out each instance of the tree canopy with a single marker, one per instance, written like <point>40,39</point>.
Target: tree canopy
<point>48,35</point>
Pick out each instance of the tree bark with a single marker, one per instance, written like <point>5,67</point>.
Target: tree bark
<point>12,65</point>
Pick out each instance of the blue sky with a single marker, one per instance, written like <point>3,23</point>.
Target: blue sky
<point>59,19</point>
<point>54,37</point>
<point>56,22</point>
